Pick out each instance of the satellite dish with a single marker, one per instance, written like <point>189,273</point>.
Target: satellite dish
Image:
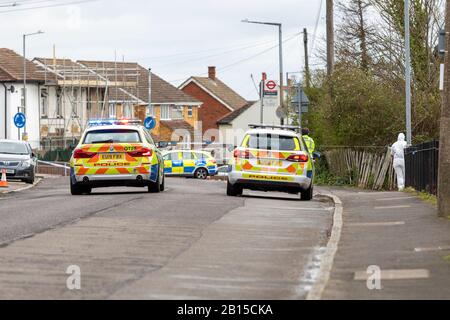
<point>12,89</point>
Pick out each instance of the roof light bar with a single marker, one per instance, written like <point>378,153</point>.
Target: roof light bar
<point>112,122</point>
<point>268,126</point>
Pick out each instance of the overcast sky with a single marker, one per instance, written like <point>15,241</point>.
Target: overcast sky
<point>176,38</point>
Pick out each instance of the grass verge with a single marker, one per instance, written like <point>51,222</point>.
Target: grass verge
<point>429,198</point>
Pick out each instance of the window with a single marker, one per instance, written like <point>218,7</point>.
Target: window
<point>188,156</point>
<point>44,103</point>
<point>112,136</point>
<point>272,142</point>
<point>173,156</point>
<point>59,99</point>
<point>190,112</point>
<point>165,112</point>
<point>149,138</point>
<point>127,111</point>
<point>176,112</point>
<point>112,110</point>
<point>151,110</point>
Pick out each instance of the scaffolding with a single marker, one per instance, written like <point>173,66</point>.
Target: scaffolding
<point>87,90</point>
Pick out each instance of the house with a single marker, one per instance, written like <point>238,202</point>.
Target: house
<point>105,89</point>
<point>12,96</point>
<point>233,126</point>
<point>218,100</point>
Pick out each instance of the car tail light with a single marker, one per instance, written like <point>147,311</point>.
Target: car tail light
<point>298,158</point>
<point>80,154</point>
<point>141,153</point>
<point>243,154</point>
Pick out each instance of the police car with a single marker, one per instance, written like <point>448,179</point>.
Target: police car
<point>189,163</point>
<point>272,158</point>
<point>116,153</point>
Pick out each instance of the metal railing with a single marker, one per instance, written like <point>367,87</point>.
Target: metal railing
<point>422,162</point>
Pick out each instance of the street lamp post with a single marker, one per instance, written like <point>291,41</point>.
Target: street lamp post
<point>280,35</point>
<point>25,73</point>
<point>408,74</point>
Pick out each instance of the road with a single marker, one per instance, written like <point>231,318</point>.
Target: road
<point>190,242</point>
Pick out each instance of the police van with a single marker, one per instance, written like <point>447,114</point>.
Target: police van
<point>272,158</point>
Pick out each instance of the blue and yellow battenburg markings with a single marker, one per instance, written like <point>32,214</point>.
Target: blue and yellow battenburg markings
<point>181,167</point>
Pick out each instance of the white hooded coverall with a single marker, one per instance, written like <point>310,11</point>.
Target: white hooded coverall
<point>398,152</point>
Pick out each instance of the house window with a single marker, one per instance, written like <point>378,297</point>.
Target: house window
<point>176,112</point>
<point>127,111</point>
<point>44,103</point>
<point>59,102</point>
<point>112,110</point>
<point>165,112</point>
<point>151,110</point>
<point>190,112</point>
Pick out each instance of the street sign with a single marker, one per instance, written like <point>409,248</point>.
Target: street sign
<point>150,123</point>
<point>303,99</point>
<point>281,114</point>
<point>20,120</point>
<point>270,89</point>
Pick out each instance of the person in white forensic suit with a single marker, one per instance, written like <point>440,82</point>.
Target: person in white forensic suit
<point>398,153</point>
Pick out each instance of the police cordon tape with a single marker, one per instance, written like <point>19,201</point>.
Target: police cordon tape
<point>56,165</point>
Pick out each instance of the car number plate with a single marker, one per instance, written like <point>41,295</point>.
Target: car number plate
<point>270,163</point>
<point>112,156</point>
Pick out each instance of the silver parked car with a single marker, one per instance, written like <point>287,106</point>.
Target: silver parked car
<point>18,159</point>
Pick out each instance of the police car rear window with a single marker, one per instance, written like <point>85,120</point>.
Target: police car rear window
<point>112,136</point>
<point>272,142</point>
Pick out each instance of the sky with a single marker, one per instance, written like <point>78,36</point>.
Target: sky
<point>176,38</point>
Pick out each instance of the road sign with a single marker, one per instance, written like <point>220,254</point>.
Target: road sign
<point>150,123</point>
<point>281,114</point>
<point>270,89</point>
<point>303,99</point>
<point>20,120</point>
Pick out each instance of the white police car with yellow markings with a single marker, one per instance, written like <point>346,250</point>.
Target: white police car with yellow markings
<point>116,153</point>
<point>189,163</point>
<point>272,158</point>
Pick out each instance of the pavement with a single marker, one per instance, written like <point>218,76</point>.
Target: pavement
<point>190,242</point>
<point>403,240</point>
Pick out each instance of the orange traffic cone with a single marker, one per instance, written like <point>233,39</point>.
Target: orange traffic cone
<point>4,182</point>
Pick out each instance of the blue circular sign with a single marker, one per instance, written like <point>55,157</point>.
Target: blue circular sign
<point>20,120</point>
<point>150,123</point>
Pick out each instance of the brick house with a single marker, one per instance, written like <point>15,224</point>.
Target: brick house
<point>218,100</point>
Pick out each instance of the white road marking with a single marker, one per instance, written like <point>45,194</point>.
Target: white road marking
<point>377,224</point>
<point>431,249</point>
<point>392,207</point>
<point>291,208</point>
<point>401,274</point>
<point>393,199</point>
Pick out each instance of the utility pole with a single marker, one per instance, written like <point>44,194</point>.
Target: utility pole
<point>305,42</point>
<point>444,148</point>
<point>330,37</point>
<point>408,74</point>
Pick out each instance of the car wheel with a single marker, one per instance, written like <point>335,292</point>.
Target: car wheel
<point>154,187</point>
<point>163,184</point>
<point>308,194</point>
<point>201,174</point>
<point>233,191</point>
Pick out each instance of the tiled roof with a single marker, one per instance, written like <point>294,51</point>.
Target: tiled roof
<point>236,113</point>
<point>221,90</point>
<point>11,67</point>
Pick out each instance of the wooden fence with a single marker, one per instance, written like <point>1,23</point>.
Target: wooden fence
<point>368,169</point>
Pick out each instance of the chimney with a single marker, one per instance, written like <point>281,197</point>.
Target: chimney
<point>212,73</point>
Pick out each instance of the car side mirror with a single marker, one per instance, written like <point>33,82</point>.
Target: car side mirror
<point>33,155</point>
<point>316,155</point>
